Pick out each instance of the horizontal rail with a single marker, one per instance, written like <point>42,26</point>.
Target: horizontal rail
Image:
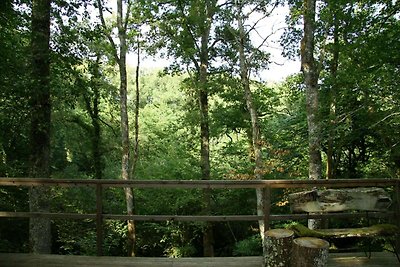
<point>193,184</point>
<point>187,218</point>
<point>49,215</point>
<point>99,217</point>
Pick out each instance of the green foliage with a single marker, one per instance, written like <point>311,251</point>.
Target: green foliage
<point>14,199</point>
<point>169,239</point>
<point>286,129</point>
<point>248,247</point>
<point>359,102</point>
<point>14,76</point>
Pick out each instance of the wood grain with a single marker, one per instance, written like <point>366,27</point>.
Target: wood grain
<point>379,259</point>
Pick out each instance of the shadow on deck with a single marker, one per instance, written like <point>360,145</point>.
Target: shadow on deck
<point>25,260</point>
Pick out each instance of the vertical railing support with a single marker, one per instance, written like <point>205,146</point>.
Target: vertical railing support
<point>99,219</point>
<point>397,191</point>
<point>267,207</point>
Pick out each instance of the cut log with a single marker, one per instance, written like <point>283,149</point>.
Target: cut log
<point>333,200</point>
<point>278,248</point>
<point>385,230</point>
<point>310,252</point>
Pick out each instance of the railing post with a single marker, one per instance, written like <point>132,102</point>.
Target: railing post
<point>267,207</point>
<point>99,219</point>
<point>397,192</point>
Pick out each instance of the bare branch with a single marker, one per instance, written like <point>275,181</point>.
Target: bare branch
<point>109,126</point>
<point>127,13</point>
<point>385,118</point>
<point>104,25</point>
<point>266,15</point>
<point>252,11</point>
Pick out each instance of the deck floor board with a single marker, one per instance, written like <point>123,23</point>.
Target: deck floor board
<point>24,260</point>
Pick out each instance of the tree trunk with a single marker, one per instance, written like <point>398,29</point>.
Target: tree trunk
<point>330,162</point>
<point>123,90</point>
<point>278,249</point>
<point>137,103</point>
<point>92,102</point>
<point>39,229</point>
<point>311,74</point>
<point>310,252</point>
<point>98,166</point>
<point>208,236</point>
<point>205,10</point>
<point>255,129</point>
<point>126,149</point>
<point>96,143</point>
<point>120,58</point>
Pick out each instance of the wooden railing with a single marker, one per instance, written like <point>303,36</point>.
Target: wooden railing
<point>265,185</point>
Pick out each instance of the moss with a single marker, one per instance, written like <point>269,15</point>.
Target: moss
<point>387,229</point>
<point>375,230</point>
<point>301,230</point>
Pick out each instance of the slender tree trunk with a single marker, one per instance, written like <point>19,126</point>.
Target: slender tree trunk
<point>122,24</point>
<point>92,106</point>
<point>97,161</point>
<point>126,155</point>
<point>330,166</point>
<point>311,74</point>
<point>39,229</point>
<point>255,132</point>
<point>137,103</point>
<point>208,236</point>
<point>206,10</point>
<point>129,192</point>
<point>123,90</point>
<point>310,71</point>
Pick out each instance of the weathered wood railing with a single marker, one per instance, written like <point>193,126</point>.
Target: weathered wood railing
<point>266,185</point>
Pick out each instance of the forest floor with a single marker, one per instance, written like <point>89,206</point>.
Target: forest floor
<point>338,259</point>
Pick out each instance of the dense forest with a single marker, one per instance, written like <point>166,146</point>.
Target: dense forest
<point>72,107</point>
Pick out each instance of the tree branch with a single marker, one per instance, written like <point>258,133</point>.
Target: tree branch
<point>109,37</point>
<point>127,13</point>
<point>385,118</point>
<point>189,30</point>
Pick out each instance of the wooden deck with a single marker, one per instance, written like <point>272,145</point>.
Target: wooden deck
<point>25,260</point>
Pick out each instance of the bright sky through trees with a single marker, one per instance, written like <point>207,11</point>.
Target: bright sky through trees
<point>271,26</point>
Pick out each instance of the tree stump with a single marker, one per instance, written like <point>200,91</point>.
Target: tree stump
<point>278,247</point>
<point>310,252</point>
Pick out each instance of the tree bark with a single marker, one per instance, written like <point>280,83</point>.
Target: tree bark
<point>311,74</point>
<point>204,13</point>
<point>39,229</point>
<point>123,91</point>
<point>330,162</point>
<point>255,128</point>
<point>119,54</point>
<point>208,236</point>
<point>310,252</point>
<point>137,103</point>
<point>98,166</point>
<point>92,102</point>
<point>278,243</point>
<point>338,200</point>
